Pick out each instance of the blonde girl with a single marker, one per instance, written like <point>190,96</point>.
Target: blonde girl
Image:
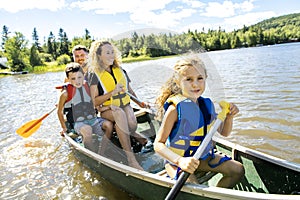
<point>186,118</point>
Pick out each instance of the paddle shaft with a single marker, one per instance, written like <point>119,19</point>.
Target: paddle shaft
<point>136,99</point>
<point>39,120</point>
<point>185,175</point>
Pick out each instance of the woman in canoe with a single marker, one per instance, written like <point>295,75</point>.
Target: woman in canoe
<point>113,100</point>
<point>187,118</point>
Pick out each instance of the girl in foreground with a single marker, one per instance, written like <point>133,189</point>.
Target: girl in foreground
<point>187,118</point>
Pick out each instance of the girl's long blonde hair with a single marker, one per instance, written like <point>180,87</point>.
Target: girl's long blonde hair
<point>95,63</point>
<point>172,87</point>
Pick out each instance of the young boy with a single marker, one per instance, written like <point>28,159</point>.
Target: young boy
<point>76,96</point>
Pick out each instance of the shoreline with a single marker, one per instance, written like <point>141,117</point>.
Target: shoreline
<point>52,67</point>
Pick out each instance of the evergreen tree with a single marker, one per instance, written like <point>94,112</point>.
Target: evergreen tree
<point>50,43</point>
<point>52,46</point>
<point>63,45</point>
<point>87,35</point>
<point>61,41</point>
<point>5,33</point>
<point>35,39</point>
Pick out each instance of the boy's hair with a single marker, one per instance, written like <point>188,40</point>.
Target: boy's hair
<point>73,67</point>
<point>79,47</point>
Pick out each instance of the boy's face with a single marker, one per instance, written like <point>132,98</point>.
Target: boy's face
<point>76,79</point>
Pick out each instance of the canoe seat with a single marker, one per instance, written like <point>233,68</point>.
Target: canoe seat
<point>202,177</point>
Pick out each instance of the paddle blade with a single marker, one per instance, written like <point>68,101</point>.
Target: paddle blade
<point>29,128</point>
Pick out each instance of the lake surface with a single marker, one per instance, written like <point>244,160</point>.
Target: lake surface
<point>264,82</point>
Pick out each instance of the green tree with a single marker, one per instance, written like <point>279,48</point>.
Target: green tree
<point>35,39</point>
<point>87,35</point>
<point>52,46</point>
<point>63,45</point>
<point>50,43</point>
<point>16,52</point>
<point>5,34</point>
<point>63,59</point>
<point>34,57</point>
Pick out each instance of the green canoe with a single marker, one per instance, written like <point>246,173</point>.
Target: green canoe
<point>266,177</point>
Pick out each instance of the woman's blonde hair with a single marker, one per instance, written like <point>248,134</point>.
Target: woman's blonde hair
<point>172,87</point>
<point>95,63</point>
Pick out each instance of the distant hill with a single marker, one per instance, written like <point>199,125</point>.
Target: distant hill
<point>280,22</point>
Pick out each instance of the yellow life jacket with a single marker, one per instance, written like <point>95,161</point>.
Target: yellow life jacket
<point>109,82</point>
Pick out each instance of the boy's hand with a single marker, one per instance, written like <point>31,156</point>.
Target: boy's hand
<point>63,131</point>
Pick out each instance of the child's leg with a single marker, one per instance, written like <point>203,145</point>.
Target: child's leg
<point>233,171</point>
<point>86,132</point>
<point>108,127</point>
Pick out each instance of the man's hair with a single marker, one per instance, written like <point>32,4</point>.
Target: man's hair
<point>73,67</point>
<point>79,47</point>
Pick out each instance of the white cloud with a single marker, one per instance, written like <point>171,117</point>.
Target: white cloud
<point>15,6</point>
<point>215,9</point>
<point>227,9</point>
<point>146,12</point>
<point>120,6</point>
<point>246,19</point>
<point>246,6</point>
<point>165,19</point>
<point>194,3</point>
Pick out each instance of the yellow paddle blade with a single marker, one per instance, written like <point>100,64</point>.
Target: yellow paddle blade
<point>29,128</point>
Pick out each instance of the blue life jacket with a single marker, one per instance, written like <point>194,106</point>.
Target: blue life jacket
<point>193,123</point>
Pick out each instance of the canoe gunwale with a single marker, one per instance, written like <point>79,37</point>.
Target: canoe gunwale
<point>258,154</point>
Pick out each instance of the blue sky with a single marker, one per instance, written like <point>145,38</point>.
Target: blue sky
<point>109,18</point>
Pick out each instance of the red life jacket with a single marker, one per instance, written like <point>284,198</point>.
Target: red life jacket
<point>78,106</point>
<point>71,89</point>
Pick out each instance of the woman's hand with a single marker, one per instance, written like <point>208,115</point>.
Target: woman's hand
<point>119,88</point>
<point>144,105</point>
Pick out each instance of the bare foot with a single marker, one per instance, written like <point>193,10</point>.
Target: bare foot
<point>135,165</point>
<point>141,139</point>
<point>132,162</point>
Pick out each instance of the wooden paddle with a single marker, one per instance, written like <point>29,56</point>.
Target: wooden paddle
<point>185,175</point>
<point>149,110</point>
<point>136,99</point>
<point>30,127</point>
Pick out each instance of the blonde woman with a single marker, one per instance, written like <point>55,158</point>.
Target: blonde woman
<point>111,96</point>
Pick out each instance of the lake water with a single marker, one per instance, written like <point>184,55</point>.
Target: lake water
<point>264,82</point>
